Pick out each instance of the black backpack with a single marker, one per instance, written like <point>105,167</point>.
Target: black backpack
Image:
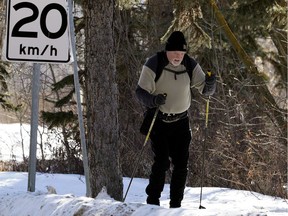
<point>162,61</point>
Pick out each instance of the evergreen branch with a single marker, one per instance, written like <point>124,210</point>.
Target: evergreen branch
<point>65,99</point>
<point>58,119</point>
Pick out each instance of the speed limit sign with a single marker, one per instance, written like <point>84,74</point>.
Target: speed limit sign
<point>37,31</point>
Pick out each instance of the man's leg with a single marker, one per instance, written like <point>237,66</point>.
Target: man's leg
<point>177,187</point>
<point>156,183</point>
<point>179,154</point>
<point>160,166</point>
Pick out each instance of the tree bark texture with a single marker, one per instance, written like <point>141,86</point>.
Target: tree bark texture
<point>2,24</point>
<point>102,99</point>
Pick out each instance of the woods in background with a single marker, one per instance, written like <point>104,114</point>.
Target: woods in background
<point>243,42</point>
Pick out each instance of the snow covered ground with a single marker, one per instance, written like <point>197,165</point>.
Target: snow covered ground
<point>70,199</point>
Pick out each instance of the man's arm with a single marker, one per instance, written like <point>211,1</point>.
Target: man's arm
<point>145,97</point>
<point>148,99</point>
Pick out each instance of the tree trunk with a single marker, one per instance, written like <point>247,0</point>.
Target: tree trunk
<point>102,99</point>
<point>2,24</point>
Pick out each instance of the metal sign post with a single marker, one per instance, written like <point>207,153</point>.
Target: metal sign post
<point>34,126</point>
<point>79,107</point>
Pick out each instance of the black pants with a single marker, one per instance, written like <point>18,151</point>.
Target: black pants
<point>170,144</point>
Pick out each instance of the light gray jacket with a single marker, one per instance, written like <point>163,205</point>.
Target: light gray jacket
<point>177,85</point>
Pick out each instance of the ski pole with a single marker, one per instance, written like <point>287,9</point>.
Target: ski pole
<point>204,145</point>
<point>144,144</point>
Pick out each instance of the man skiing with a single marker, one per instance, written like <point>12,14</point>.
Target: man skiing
<point>165,82</point>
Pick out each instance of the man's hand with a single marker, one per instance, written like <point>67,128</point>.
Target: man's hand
<point>159,99</point>
<point>210,79</point>
<point>210,84</point>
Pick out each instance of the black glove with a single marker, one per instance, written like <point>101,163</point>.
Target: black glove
<point>159,99</point>
<point>210,80</point>
<point>210,84</point>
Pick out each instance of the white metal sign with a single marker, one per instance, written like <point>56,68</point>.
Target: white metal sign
<point>37,31</point>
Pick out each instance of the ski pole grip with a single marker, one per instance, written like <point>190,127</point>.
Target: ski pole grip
<point>209,73</point>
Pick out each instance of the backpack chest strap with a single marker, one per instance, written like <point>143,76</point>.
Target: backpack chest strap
<point>175,72</point>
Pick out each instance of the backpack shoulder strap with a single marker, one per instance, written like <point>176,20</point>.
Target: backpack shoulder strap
<point>162,61</point>
<point>190,64</point>
<point>157,63</point>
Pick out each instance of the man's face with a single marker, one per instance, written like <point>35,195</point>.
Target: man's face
<point>175,57</point>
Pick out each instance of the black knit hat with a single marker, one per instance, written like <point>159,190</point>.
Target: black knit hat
<point>176,42</point>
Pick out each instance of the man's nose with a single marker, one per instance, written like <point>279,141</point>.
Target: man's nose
<point>178,55</point>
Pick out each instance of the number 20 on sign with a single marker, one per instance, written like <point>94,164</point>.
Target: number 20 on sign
<point>37,31</point>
